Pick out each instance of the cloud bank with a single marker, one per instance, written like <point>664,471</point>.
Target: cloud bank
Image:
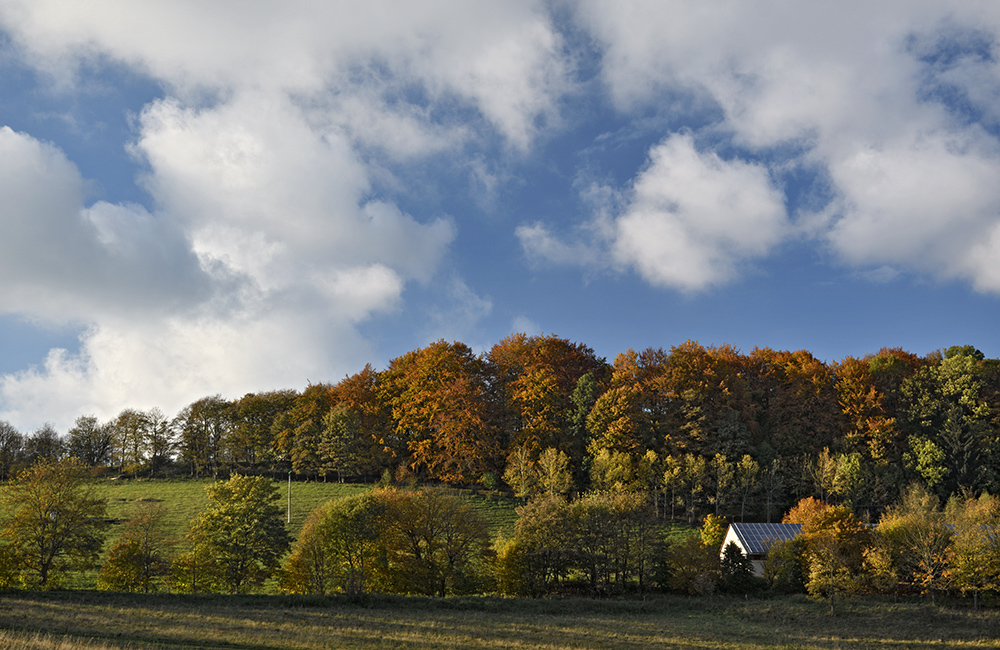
<point>274,229</point>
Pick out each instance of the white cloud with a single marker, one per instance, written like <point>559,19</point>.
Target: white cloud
<point>169,362</point>
<point>860,87</point>
<point>459,314</point>
<point>541,245</point>
<point>64,263</point>
<point>502,58</point>
<point>695,217</point>
<point>921,203</point>
<point>690,220</point>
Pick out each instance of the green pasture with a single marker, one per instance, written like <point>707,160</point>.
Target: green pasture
<point>103,621</point>
<point>183,499</point>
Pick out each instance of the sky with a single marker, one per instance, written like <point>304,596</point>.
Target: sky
<point>238,196</point>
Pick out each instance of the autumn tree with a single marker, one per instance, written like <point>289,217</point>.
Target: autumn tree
<point>795,400</point>
<point>710,401</point>
<point>915,538</point>
<point>538,380</point>
<point>54,521</point>
<point>975,547</point>
<point>378,446</point>
<point>835,543</point>
<point>240,537</point>
<point>633,415</point>
<point>440,400</point>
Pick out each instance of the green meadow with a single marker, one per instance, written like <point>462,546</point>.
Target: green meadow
<point>182,499</point>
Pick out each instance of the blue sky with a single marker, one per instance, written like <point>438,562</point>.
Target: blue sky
<point>243,196</point>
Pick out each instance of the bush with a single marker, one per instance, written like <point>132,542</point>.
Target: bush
<point>692,567</point>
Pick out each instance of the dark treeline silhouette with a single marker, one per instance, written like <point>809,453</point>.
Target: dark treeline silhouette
<point>701,430</point>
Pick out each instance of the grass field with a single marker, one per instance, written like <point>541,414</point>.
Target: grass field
<point>69,620</point>
<point>182,499</point>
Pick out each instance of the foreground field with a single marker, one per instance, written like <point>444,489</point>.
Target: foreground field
<point>66,621</point>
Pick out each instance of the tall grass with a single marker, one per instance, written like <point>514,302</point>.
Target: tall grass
<point>276,623</point>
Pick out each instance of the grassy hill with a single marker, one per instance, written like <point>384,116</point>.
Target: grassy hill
<point>184,498</point>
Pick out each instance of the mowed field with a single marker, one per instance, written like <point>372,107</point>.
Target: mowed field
<point>101,621</point>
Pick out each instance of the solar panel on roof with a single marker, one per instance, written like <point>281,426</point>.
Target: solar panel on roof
<point>756,538</point>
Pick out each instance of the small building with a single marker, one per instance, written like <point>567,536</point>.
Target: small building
<point>755,540</point>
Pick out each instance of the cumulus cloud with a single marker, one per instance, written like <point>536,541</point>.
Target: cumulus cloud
<point>270,234</point>
<point>690,220</point>
<point>695,217</point>
<point>267,242</point>
<point>888,101</point>
<point>62,262</point>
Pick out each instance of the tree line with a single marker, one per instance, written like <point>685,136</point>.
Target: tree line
<point>698,429</point>
<point>430,542</point>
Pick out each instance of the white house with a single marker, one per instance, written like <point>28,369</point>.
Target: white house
<point>755,540</point>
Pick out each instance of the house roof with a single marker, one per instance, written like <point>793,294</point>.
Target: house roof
<point>757,538</point>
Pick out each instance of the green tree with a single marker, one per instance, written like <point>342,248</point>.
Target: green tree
<point>251,439</point>
<point>43,444</point>
<point>783,568</point>
<point>131,440</point>
<point>541,553</point>
<point>692,567</point>
<point>613,471</point>
<point>342,449</point>
<point>54,521</point>
<point>946,404</point>
<point>90,441</point>
<point>713,531</point>
<point>204,427</point>
<point>337,547</point>
<point>435,544</point>
<point>748,482</point>
<point>521,473</point>
<point>139,560</point>
<point>161,441</point>
<point>11,450</point>
<point>615,541</point>
<point>736,571</point>
<point>242,531</point>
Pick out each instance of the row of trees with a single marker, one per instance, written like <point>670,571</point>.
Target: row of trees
<point>701,429</point>
<point>433,543</point>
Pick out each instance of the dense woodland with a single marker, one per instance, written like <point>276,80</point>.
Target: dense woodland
<point>699,429</point>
